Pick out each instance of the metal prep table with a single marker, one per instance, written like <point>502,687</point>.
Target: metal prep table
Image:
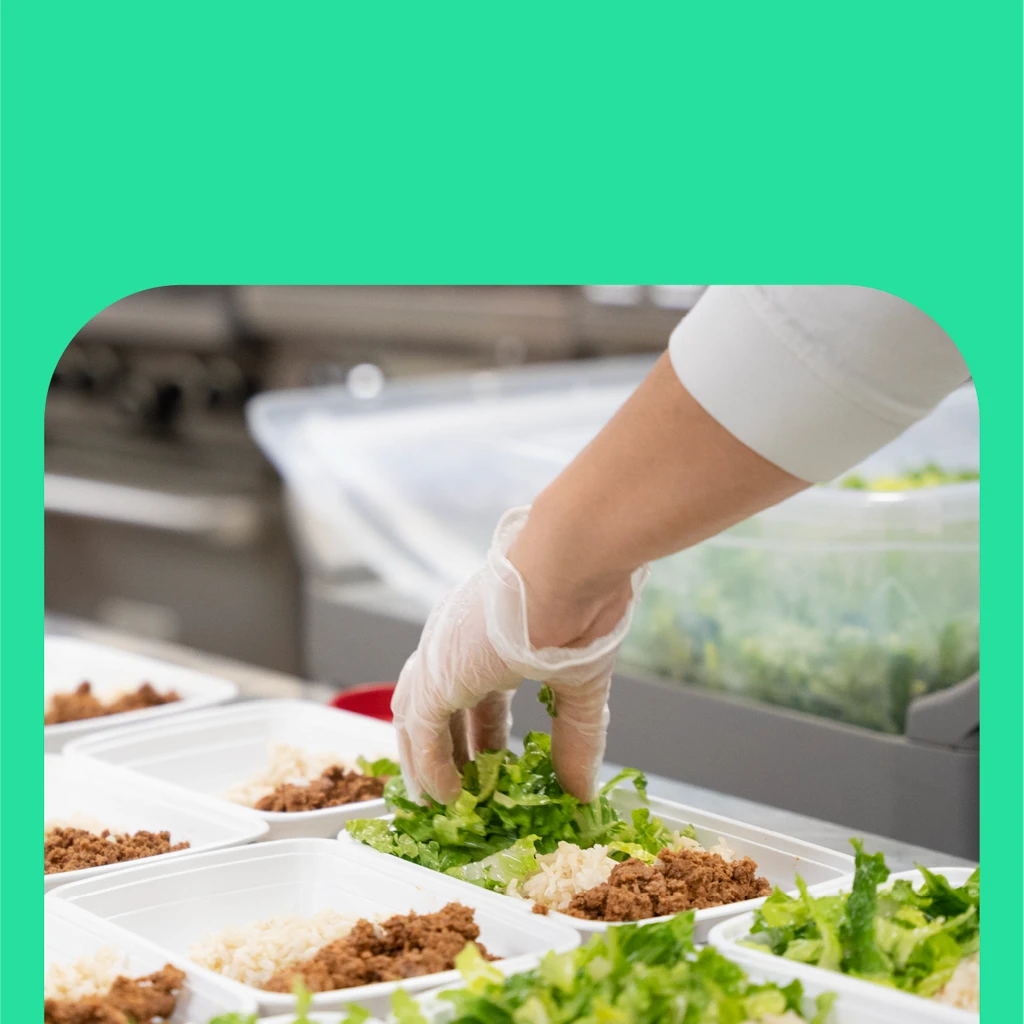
<point>257,683</point>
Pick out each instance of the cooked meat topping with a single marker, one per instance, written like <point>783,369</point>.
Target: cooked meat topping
<point>68,849</point>
<point>333,787</point>
<point>82,703</point>
<point>404,946</point>
<point>146,1000</point>
<point>679,880</point>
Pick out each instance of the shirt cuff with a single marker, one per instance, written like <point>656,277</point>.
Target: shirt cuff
<point>768,397</point>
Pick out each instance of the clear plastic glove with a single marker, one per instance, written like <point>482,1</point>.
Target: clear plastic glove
<point>454,695</point>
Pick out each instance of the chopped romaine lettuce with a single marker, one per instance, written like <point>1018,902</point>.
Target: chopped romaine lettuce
<point>904,937</point>
<point>515,862</point>
<point>405,1009</point>
<point>547,697</point>
<point>511,808</point>
<point>628,975</point>
<point>382,766</point>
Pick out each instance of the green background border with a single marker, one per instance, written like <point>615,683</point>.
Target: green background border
<point>876,144</point>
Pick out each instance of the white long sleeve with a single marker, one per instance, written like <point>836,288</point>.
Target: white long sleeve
<point>812,378</point>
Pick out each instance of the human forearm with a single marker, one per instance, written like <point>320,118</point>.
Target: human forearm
<point>661,476</point>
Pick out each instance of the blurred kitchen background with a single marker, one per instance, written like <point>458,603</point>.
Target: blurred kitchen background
<point>162,515</point>
<point>822,659</point>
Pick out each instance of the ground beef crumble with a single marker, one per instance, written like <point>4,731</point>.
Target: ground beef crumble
<point>404,946</point>
<point>146,1000</point>
<point>68,849</point>
<point>333,787</point>
<point>82,703</point>
<point>679,880</point>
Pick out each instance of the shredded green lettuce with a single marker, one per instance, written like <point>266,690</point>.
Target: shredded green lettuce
<point>515,862</point>
<point>382,766</point>
<point>627,975</point>
<point>405,1009</point>
<point>510,809</point>
<point>547,697</point>
<point>907,938</point>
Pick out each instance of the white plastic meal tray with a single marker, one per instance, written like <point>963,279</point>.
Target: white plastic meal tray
<point>848,1008</point>
<point>208,751</point>
<point>72,934</point>
<point>83,793</point>
<point>779,858</point>
<point>175,905</point>
<point>906,1006</point>
<point>69,661</point>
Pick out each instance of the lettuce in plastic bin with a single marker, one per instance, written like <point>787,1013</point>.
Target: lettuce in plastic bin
<point>854,639</point>
<point>628,975</point>
<point>906,938</point>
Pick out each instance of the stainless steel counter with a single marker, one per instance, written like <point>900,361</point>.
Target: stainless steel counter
<point>255,683</point>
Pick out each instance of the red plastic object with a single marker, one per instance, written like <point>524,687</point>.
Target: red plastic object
<point>370,699</point>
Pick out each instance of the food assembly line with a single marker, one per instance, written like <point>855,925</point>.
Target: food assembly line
<point>761,583</point>
<point>834,635</point>
<point>258,859</point>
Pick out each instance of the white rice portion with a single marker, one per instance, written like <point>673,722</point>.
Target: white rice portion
<point>963,990</point>
<point>562,874</point>
<point>570,870</point>
<point>287,764</point>
<point>253,952</point>
<point>88,976</point>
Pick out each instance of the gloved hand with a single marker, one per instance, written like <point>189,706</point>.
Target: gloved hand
<point>454,694</point>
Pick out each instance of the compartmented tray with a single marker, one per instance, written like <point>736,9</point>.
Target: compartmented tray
<point>126,802</point>
<point>69,661</point>
<point>847,1009</point>
<point>208,751</point>
<point>174,905</point>
<point>779,858</point>
<point>72,933</point>
<point>728,937</point>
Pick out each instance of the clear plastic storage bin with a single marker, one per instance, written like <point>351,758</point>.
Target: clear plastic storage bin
<point>842,603</point>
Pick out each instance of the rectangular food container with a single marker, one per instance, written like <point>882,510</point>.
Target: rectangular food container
<point>69,661</point>
<point>72,933</point>
<point>175,905</point>
<point>849,1008</point>
<point>126,802</point>
<point>208,751</point>
<point>728,936</point>
<point>779,858</point>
